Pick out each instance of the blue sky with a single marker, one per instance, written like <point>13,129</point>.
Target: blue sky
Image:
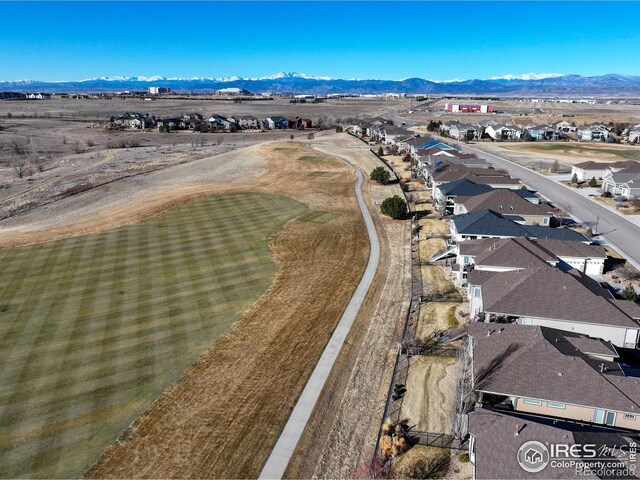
<point>386,40</point>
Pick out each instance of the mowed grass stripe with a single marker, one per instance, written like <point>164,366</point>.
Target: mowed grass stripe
<point>93,328</point>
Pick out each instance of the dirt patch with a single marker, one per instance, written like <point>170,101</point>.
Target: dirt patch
<point>225,414</point>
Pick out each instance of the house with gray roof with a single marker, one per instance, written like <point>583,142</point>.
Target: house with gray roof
<point>507,203</point>
<point>503,132</point>
<point>461,131</point>
<point>497,436</point>
<point>446,193</point>
<point>622,181</point>
<point>543,133</point>
<point>491,224</point>
<point>553,373</point>
<point>593,133</point>
<point>547,296</point>
<point>519,253</point>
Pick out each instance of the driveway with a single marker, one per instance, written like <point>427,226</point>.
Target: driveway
<point>622,234</point>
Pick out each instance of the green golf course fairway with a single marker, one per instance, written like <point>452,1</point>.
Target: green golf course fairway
<point>93,328</point>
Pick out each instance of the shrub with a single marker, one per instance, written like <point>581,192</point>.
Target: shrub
<point>574,178</point>
<point>339,129</point>
<point>463,457</point>
<point>629,293</point>
<point>607,194</point>
<point>593,183</point>
<point>380,175</point>
<point>380,151</point>
<point>394,207</point>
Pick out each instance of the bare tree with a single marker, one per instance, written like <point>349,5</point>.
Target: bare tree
<point>564,211</point>
<point>20,168</point>
<point>555,166</point>
<point>77,147</point>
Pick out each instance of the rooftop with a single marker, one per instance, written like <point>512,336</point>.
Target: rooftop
<point>544,363</point>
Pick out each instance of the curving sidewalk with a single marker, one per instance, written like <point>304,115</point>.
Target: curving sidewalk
<point>282,452</point>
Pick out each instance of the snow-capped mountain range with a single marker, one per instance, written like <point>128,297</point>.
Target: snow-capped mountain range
<point>528,84</point>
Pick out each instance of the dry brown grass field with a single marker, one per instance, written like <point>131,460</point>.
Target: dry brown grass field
<point>225,414</point>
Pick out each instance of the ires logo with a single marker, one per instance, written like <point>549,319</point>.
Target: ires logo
<point>533,456</point>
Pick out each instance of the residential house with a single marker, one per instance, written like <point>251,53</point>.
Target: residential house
<point>171,123</point>
<point>509,204</point>
<point>622,181</point>
<point>191,121</point>
<point>446,193</point>
<point>519,253</point>
<point>543,133</point>
<point>565,127</point>
<point>503,132</point>
<point>463,132</point>
<point>277,123</point>
<point>134,120</point>
<point>38,96</point>
<point>246,122</point>
<point>220,123</point>
<point>490,224</point>
<point>444,172</point>
<point>585,171</point>
<point>295,123</point>
<point>496,438</point>
<point>548,297</point>
<point>634,135</point>
<point>307,123</point>
<point>553,373</point>
<point>593,133</point>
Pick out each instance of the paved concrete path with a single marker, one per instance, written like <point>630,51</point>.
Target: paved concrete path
<point>284,448</point>
<point>619,232</point>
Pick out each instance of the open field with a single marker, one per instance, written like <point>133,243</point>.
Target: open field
<point>95,327</point>
<point>424,403</point>
<point>226,412</point>
<point>583,151</point>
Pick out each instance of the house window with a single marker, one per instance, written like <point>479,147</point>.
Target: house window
<point>476,292</point>
<point>556,405</point>
<point>629,416</point>
<point>532,401</point>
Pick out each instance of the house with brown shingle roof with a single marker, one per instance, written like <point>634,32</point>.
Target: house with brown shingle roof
<point>507,203</point>
<point>519,253</point>
<point>553,373</point>
<point>496,438</point>
<point>548,297</point>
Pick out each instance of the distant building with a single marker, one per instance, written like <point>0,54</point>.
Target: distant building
<point>159,90</point>
<point>458,108</point>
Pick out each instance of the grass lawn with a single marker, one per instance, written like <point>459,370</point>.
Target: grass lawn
<point>436,317</point>
<point>424,402</point>
<point>435,280</point>
<point>93,328</point>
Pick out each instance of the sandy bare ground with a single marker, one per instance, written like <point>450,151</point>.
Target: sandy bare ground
<point>343,429</point>
<point>225,414</point>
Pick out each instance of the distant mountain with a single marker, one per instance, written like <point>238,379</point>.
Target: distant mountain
<point>531,84</point>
